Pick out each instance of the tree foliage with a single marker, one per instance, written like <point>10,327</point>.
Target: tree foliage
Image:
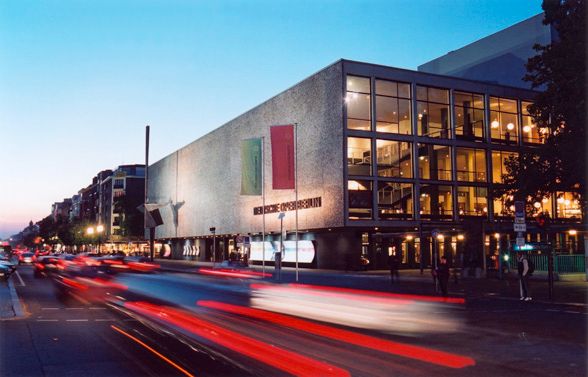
<point>559,70</point>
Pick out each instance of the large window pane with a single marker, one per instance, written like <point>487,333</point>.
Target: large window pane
<point>358,103</point>
<point>360,199</point>
<point>434,162</point>
<point>531,133</point>
<point>472,201</point>
<point>436,202</point>
<point>469,116</point>
<point>503,206</point>
<point>433,112</point>
<point>394,159</point>
<point>392,112</point>
<point>504,125</point>
<point>499,164</point>
<point>359,152</point>
<point>567,206</point>
<point>471,164</point>
<point>395,200</point>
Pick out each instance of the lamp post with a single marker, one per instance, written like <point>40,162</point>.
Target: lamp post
<point>278,259</point>
<point>90,231</point>
<point>213,231</point>
<point>99,230</point>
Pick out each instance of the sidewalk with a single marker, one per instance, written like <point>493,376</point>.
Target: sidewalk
<point>412,281</point>
<point>9,303</point>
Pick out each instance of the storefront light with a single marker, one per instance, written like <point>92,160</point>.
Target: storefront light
<point>409,237</point>
<point>460,237</point>
<point>495,124</point>
<point>527,129</point>
<point>545,200</point>
<point>497,235</point>
<point>537,205</point>
<point>572,232</point>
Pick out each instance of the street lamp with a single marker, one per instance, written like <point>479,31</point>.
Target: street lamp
<point>99,230</point>
<point>90,231</point>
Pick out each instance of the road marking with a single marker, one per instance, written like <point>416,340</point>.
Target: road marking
<point>19,278</point>
<point>16,306</point>
<point>568,311</point>
<point>47,320</point>
<point>104,319</point>
<point>97,308</point>
<point>76,320</point>
<point>49,308</point>
<point>74,308</point>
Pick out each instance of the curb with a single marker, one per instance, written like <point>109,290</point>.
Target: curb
<point>16,306</point>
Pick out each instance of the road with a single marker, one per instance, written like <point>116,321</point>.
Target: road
<point>335,332</point>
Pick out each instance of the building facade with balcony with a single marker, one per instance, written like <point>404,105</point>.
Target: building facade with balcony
<point>387,160</point>
<point>120,195</point>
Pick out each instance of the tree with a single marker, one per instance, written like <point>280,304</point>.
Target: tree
<point>559,70</point>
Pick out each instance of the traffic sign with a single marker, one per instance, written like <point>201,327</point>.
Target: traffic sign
<point>519,208</point>
<point>519,220</point>
<point>520,227</point>
<point>520,241</point>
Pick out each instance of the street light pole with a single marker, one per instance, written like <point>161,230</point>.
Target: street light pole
<point>213,231</point>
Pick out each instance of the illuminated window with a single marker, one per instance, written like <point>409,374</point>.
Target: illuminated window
<point>359,156</point>
<point>433,112</point>
<point>469,115</point>
<point>504,124</point>
<point>434,162</point>
<point>394,158</point>
<point>531,133</point>
<point>395,200</point>
<point>472,201</point>
<point>393,107</point>
<point>436,202</point>
<point>504,206</point>
<point>471,164</point>
<point>567,206</point>
<point>357,100</point>
<point>499,164</point>
<point>360,199</point>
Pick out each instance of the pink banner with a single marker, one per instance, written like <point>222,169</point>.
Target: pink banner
<point>282,157</point>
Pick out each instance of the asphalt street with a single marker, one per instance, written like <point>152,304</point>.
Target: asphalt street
<point>503,335</point>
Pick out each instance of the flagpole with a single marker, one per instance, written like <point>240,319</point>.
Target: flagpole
<point>263,204</point>
<point>296,189</point>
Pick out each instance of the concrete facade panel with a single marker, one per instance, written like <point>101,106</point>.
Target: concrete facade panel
<point>202,180</point>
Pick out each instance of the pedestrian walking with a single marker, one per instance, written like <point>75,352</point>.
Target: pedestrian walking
<point>393,263</point>
<point>523,267</point>
<point>442,273</point>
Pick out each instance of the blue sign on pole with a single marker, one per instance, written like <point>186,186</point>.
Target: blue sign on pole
<point>519,209</point>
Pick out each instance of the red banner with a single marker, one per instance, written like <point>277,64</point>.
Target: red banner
<point>283,157</point>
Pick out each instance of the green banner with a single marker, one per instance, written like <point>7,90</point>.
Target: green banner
<point>251,167</point>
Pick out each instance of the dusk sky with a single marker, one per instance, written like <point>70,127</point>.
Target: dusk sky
<point>79,80</point>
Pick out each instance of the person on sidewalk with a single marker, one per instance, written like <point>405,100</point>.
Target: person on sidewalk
<point>393,263</point>
<point>442,274</point>
<point>523,267</point>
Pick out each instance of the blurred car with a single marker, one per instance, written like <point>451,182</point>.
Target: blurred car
<point>26,258</point>
<point>5,271</point>
<point>45,265</point>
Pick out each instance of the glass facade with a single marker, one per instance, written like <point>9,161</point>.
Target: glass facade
<point>395,200</point>
<point>499,164</point>
<point>358,103</point>
<point>434,162</point>
<point>359,152</point>
<point>433,143</point>
<point>472,201</point>
<point>360,199</point>
<point>531,133</point>
<point>393,114</point>
<point>469,116</point>
<point>394,158</point>
<point>433,112</point>
<point>471,164</point>
<point>567,206</point>
<point>504,120</point>
<point>436,202</point>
